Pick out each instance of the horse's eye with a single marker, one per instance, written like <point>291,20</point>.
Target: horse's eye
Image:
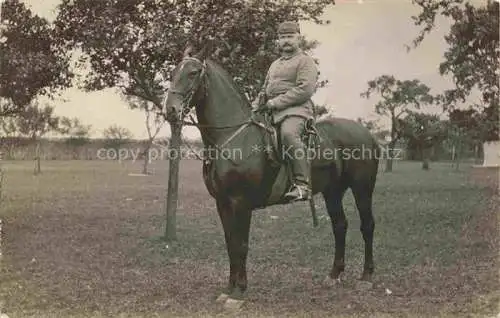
<point>193,73</point>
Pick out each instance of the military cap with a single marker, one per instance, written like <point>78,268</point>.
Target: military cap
<point>288,27</point>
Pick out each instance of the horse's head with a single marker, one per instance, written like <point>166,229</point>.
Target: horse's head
<point>187,79</point>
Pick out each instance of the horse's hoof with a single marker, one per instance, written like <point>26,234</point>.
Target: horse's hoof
<point>332,282</point>
<point>222,298</point>
<point>364,285</point>
<point>233,304</point>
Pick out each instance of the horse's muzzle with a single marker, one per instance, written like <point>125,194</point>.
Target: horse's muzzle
<point>172,106</point>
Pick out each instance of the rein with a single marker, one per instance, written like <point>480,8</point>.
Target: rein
<point>187,112</point>
<point>241,126</point>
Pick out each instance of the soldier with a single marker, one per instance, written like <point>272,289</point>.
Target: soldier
<point>287,91</point>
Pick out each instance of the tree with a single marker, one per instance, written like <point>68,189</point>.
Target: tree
<point>374,127</point>
<point>30,65</point>
<point>473,54</point>
<point>34,122</point>
<point>466,127</point>
<point>397,98</point>
<point>133,45</point>
<point>116,137</point>
<point>423,131</point>
<point>153,122</point>
<point>8,126</point>
<point>78,133</point>
<point>8,131</point>
<point>457,138</point>
<point>370,124</point>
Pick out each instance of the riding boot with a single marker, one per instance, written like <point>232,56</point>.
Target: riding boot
<point>295,155</point>
<point>301,171</point>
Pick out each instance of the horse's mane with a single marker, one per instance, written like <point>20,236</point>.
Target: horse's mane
<point>224,75</point>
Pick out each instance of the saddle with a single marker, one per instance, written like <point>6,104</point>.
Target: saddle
<point>282,181</point>
<point>310,137</point>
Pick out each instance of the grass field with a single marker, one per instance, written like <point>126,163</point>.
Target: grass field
<point>84,239</point>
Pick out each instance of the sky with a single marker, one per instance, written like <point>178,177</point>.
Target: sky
<point>365,39</point>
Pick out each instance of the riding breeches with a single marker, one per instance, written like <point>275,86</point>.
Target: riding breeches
<point>293,150</point>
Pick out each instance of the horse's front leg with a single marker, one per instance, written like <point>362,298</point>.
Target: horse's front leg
<point>236,218</point>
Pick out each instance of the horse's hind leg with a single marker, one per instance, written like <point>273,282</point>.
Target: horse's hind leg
<point>333,195</point>
<point>363,195</point>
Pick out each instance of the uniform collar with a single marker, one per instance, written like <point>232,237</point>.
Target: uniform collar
<point>299,51</point>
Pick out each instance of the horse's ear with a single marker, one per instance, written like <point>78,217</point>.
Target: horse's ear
<point>206,51</point>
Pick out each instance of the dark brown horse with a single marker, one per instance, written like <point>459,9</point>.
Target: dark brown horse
<point>242,177</point>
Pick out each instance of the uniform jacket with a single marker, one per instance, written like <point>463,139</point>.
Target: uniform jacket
<point>289,85</point>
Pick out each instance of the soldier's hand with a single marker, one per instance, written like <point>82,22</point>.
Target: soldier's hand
<point>261,109</point>
<point>270,104</point>
<point>258,106</point>
<point>255,105</point>
<point>256,109</point>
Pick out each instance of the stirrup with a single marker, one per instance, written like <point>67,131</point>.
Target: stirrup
<point>303,193</point>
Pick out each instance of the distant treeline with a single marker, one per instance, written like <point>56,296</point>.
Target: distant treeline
<point>20,148</point>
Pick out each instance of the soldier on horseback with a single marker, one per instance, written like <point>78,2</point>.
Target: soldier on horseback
<point>289,85</point>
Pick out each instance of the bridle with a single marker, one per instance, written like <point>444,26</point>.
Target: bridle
<point>187,108</point>
<point>188,98</point>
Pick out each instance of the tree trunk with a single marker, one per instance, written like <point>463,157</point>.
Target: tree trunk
<point>453,155</point>
<point>458,154</point>
<point>425,158</point>
<point>392,143</point>
<point>390,155</point>
<point>76,153</point>
<point>1,183</point>
<point>425,164</point>
<point>388,165</point>
<point>12,151</point>
<point>37,158</point>
<point>477,154</point>
<point>173,180</point>
<point>146,159</point>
